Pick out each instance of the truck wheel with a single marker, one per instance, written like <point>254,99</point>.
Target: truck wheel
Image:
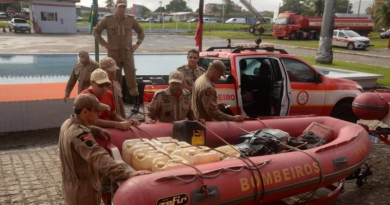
<point>293,35</point>
<point>343,111</point>
<point>317,35</point>
<point>351,46</point>
<point>261,30</point>
<point>280,38</point>
<point>300,35</point>
<point>252,30</point>
<point>311,36</point>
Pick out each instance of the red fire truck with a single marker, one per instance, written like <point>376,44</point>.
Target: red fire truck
<point>294,26</point>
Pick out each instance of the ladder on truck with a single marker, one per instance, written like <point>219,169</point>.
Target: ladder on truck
<point>259,18</point>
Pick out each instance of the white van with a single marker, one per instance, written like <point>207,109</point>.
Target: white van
<point>236,20</point>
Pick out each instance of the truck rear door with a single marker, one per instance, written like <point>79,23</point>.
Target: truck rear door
<point>262,79</point>
<point>308,90</point>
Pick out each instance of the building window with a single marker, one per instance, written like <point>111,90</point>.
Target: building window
<point>46,16</point>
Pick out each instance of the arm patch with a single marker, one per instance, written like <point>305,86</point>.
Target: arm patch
<point>84,137</point>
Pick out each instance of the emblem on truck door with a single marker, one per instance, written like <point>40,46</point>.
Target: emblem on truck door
<point>302,97</point>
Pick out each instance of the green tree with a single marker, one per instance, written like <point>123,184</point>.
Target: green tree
<point>296,6</point>
<point>145,12</point>
<point>383,16</point>
<point>229,6</point>
<point>177,5</point>
<point>160,9</point>
<point>315,8</point>
<point>215,9</point>
<point>342,6</point>
<point>109,3</point>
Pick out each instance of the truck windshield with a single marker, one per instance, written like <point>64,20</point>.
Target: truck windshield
<point>282,21</point>
<point>204,63</point>
<point>20,21</point>
<point>352,34</point>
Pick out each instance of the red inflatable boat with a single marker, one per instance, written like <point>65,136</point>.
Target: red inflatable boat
<point>261,179</point>
<point>374,105</point>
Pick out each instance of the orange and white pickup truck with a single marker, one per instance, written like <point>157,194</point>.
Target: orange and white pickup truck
<point>278,85</point>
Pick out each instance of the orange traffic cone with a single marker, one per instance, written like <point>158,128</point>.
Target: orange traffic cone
<point>4,31</point>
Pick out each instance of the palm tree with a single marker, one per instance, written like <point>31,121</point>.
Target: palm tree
<point>383,16</point>
<point>109,3</point>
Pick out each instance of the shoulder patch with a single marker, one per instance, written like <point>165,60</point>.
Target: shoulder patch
<point>84,137</point>
<point>82,134</point>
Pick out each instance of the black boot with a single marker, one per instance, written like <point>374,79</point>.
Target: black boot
<point>135,108</point>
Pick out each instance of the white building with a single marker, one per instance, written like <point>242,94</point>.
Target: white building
<point>52,16</point>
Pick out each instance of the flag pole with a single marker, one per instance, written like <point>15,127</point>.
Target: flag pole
<point>94,22</point>
<point>199,30</point>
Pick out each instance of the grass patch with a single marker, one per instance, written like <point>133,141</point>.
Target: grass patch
<point>356,67</point>
<point>2,23</point>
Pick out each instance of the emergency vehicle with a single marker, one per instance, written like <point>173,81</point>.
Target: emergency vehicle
<point>280,84</point>
<point>294,26</point>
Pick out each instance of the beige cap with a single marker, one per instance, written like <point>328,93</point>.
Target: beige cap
<point>176,76</point>
<point>88,100</point>
<point>218,65</point>
<point>108,64</point>
<point>100,76</point>
<point>83,55</point>
<point>121,2</point>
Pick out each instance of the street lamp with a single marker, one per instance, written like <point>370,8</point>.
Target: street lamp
<point>348,8</point>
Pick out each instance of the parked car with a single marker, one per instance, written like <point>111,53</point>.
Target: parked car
<point>18,24</point>
<point>153,20</point>
<point>385,34</point>
<point>194,20</point>
<point>4,17</point>
<point>140,19</point>
<point>236,20</point>
<point>79,18</point>
<point>350,39</point>
<point>208,20</point>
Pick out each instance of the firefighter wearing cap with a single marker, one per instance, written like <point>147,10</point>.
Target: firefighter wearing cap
<point>108,64</point>
<point>204,95</point>
<point>108,118</point>
<point>82,159</point>
<point>81,72</point>
<point>191,70</point>
<point>171,104</point>
<point>119,44</point>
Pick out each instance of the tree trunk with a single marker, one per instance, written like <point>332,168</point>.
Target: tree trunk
<point>324,53</point>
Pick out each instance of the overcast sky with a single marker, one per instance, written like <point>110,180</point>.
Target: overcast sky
<point>260,5</point>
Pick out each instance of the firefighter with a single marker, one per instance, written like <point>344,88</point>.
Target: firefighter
<point>204,95</point>
<point>108,64</point>
<point>119,28</point>
<point>191,70</point>
<point>171,104</point>
<point>82,159</point>
<point>81,72</point>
